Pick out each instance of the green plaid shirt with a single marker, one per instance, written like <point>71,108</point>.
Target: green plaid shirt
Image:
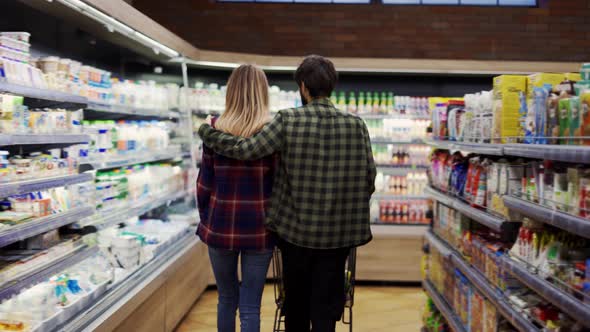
<point>326,175</point>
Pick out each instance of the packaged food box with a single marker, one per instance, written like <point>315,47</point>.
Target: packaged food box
<point>585,116</point>
<point>508,90</point>
<point>573,76</point>
<point>539,79</point>
<point>585,72</point>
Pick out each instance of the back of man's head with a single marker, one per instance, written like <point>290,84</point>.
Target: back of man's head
<point>318,75</point>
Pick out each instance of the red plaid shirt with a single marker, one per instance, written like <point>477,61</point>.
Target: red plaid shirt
<point>233,197</point>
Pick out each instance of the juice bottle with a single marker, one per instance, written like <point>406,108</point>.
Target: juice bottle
<point>361,103</point>
<point>368,103</point>
<point>352,108</point>
<point>376,104</point>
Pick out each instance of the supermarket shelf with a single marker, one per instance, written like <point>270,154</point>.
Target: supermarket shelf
<point>171,152</point>
<point>29,139</point>
<point>383,196</point>
<point>27,186</point>
<point>53,97</point>
<point>15,287</point>
<point>126,290</point>
<point>379,140</point>
<point>481,148</point>
<point>203,112</point>
<point>516,318</point>
<point>130,110</point>
<point>494,222</point>
<point>41,225</point>
<point>392,117</point>
<point>575,308</point>
<point>399,230</point>
<point>444,308</point>
<point>565,221</point>
<point>567,153</point>
<point>120,214</point>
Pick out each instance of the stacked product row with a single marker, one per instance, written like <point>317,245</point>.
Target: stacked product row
<point>384,103</point>
<point>73,77</point>
<point>542,108</point>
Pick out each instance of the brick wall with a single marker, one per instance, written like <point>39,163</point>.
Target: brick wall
<point>559,30</point>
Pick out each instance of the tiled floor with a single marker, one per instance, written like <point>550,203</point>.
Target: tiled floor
<point>377,309</point>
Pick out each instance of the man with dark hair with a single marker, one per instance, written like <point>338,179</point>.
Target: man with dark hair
<point>320,200</point>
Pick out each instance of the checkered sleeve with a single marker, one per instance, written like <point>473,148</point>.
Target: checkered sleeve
<point>266,142</point>
<point>372,170</point>
<point>205,182</point>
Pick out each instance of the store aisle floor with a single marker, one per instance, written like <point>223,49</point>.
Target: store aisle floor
<point>377,309</point>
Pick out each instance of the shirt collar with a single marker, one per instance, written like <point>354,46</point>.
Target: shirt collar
<point>322,101</point>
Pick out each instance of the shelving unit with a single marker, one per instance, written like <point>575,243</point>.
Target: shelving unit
<point>27,186</point>
<point>42,225</point>
<point>566,302</point>
<point>30,139</point>
<point>76,256</point>
<point>519,320</point>
<point>171,152</point>
<point>129,110</point>
<point>120,214</point>
<point>444,308</point>
<point>565,153</point>
<point>494,222</point>
<point>46,97</point>
<point>140,292</point>
<point>394,142</point>
<point>392,117</point>
<point>553,293</point>
<point>568,222</point>
<point>482,148</point>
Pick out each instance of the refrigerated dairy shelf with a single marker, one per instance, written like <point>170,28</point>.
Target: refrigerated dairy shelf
<point>27,186</point>
<point>444,308</point>
<point>568,222</point>
<point>482,148</point>
<point>171,152</point>
<point>566,302</point>
<point>44,272</point>
<point>41,225</point>
<point>45,95</point>
<point>516,318</point>
<point>131,110</point>
<point>29,139</point>
<point>120,214</point>
<point>492,221</point>
<point>124,291</point>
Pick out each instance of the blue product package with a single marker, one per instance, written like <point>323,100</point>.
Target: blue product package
<point>540,98</point>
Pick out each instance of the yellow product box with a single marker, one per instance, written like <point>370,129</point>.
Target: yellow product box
<point>506,121</point>
<point>539,79</point>
<point>573,77</point>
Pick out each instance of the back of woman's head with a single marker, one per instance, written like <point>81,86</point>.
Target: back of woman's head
<point>246,102</point>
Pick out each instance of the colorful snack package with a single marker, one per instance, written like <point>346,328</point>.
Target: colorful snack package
<point>552,119</point>
<point>564,120</point>
<point>540,96</point>
<point>575,124</point>
<point>585,116</point>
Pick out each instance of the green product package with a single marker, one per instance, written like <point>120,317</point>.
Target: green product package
<point>564,111</point>
<point>575,123</point>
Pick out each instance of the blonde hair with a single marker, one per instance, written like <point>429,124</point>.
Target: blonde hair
<point>246,102</point>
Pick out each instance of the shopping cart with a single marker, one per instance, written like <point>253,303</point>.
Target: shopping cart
<point>349,283</point>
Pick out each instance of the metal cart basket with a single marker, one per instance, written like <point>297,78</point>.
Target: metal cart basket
<point>349,284</point>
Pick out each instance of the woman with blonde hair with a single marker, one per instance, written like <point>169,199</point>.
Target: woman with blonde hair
<point>233,197</point>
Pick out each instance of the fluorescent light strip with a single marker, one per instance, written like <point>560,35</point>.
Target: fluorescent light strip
<point>114,25</point>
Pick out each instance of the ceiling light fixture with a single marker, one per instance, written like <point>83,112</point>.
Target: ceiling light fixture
<point>112,25</point>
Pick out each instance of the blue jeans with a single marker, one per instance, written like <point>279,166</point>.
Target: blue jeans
<point>233,294</point>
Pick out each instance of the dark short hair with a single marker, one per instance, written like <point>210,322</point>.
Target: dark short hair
<point>318,74</point>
